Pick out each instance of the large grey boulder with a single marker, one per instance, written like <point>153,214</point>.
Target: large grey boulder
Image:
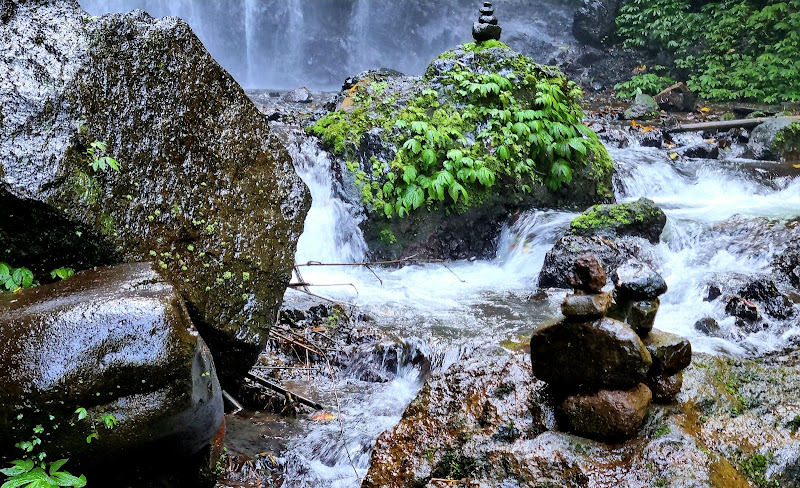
<point>204,189</point>
<point>115,340</point>
<point>643,106</point>
<point>777,138</point>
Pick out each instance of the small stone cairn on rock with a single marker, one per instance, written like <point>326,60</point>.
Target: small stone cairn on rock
<point>602,359</point>
<point>486,27</point>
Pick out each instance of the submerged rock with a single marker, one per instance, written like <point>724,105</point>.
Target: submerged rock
<point>114,341</point>
<point>204,190</point>
<point>603,353</point>
<point>607,414</point>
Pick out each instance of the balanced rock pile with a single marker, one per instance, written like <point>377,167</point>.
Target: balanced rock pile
<point>486,27</point>
<point>603,360</point>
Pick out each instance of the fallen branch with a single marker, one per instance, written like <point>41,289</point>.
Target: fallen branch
<point>727,124</point>
<point>235,404</point>
<point>288,394</point>
<point>408,260</point>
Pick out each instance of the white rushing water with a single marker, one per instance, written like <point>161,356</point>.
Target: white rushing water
<point>723,220</point>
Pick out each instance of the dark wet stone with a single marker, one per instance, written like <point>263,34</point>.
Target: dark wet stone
<point>642,107</point>
<point>652,138</point>
<point>642,315</point>
<point>594,23</point>
<point>670,353</point>
<point>587,274</point>
<point>766,293</point>
<point>484,32</point>
<point>702,150</point>
<point>488,19</point>
<point>560,259</point>
<point>665,387</point>
<point>607,415</point>
<point>589,306</point>
<point>487,10</point>
<point>676,98</point>
<point>299,95</point>
<point>603,353</point>
<point>641,218</point>
<point>742,308</point>
<point>712,293</point>
<point>638,281</point>
<point>787,264</point>
<point>114,340</point>
<point>707,326</point>
<point>620,308</point>
<point>204,189</point>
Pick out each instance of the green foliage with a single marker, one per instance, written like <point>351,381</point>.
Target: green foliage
<point>62,273</point>
<point>101,161</point>
<point>648,83</point>
<point>455,466</point>
<point>523,127</point>
<point>12,279</point>
<point>732,49</point>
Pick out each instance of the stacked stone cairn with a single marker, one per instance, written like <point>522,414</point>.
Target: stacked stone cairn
<point>486,27</point>
<point>603,361</point>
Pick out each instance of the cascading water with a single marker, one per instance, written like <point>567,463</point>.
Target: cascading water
<point>291,43</point>
<point>718,225</point>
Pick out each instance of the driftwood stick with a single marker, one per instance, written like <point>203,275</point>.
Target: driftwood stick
<point>293,341</point>
<point>727,124</point>
<point>272,386</point>
<point>235,404</point>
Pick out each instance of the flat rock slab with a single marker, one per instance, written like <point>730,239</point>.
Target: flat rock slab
<point>589,306</point>
<point>116,340</point>
<point>636,280</point>
<point>607,414</point>
<point>671,353</point>
<point>603,353</point>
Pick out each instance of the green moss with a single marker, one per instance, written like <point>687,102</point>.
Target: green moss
<point>613,216</point>
<point>387,236</point>
<point>787,142</point>
<point>479,134</point>
<point>85,187</point>
<point>107,224</point>
<point>755,469</point>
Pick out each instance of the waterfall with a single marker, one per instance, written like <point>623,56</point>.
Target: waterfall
<point>290,43</point>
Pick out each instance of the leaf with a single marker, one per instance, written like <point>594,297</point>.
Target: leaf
<point>19,466</point>
<point>673,155</point>
<point>57,465</point>
<point>455,155</point>
<point>429,157</point>
<point>35,477</point>
<point>455,189</point>
<point>503,152</point>
<point>409,174</point>
<point>5,271</point>
<point>485,176</point>
<point>67,479</point>
<point>81,413</point>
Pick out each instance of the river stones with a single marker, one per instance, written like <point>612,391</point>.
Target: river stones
<point>642,218</point>
<point>113,340</point>
<point>299,95</point>
<point>676,98</point>
<point>665,387</point>
<point>635,280</point>
<point>587,274</point>
<point>670,353</point>
<point>486,27</point>
<point>607,414</point>
<point>642,107</point>
<point>777,138</point>
<point>642,315</point>
<point>603,353</point>
<point>586,306</point>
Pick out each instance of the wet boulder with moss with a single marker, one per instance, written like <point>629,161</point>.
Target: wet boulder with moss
<point>203,189</point>
<point>439,162</point>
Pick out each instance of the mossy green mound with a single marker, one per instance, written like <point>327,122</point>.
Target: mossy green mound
<point>641,218</point>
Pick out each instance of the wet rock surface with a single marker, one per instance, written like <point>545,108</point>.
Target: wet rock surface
<point>641,218</point>
<point>642,107</point>
<point>716,434</point>
<point>773,139</point>
<point>594,23</point>
<point>587,274</point>
<point>204,190</point>
<point>598,354</point>
<point>670,353</point>
<point>486,28</point>
<point>676,98</point>
<point>608,414</point>
<point>114,340</point>
<point>635,280</point>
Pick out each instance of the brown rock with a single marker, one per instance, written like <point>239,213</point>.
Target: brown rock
<point>588,306</point>
<point>607,414</point>
<point>603,353</point>
<point>587,274</point>
<point>642,315</point>
<point>670,353</point>
<point>665,387</point>
<point>677,98</point>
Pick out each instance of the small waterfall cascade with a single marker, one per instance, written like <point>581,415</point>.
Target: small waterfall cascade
<point>291,43</point>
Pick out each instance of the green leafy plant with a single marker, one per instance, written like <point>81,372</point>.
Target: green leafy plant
<point>522,126</point>
<point>731,49</point>
<point>648,84</point>
<point>62,273</point>
<point>755,468</point>
<point>15,278</point>
<point>100,161</point>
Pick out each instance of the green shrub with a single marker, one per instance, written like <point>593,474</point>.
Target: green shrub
<point>522,127</point>
<point>648,83</point>
<point>731,49</point>
<point>12,279</point>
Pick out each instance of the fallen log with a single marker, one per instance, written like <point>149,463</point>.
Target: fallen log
<point>272,386</point>
<point>726,124</point>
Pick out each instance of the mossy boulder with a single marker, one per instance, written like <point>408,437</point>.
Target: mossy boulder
<point>776,139</point>
<point>439,162</point>
<point>204,190</point>
<point>641,218</point>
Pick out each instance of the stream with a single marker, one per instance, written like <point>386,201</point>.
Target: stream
<point>726,218</point>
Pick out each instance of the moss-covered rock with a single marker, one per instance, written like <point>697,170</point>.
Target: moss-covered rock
<point>641,218</point>
<point>204,190</point>
<point>441,161</point>
<point>776,139</point>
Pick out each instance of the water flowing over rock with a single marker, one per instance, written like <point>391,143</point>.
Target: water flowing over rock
<point>204,190</point>
<point>114,340</point>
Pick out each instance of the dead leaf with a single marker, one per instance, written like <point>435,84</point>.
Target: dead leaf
<point>705,109</point>
<point>673,155</point>
<point>322,417</point>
